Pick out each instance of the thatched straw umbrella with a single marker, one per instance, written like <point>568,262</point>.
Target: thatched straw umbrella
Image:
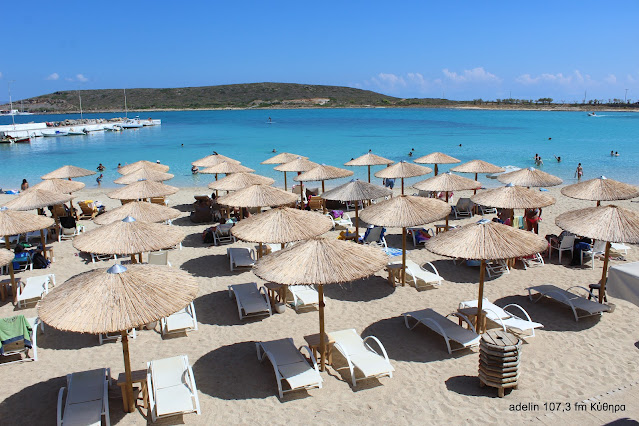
<point>321,173</point>
<point>212,160</point>
<point>68,172</point>
<point>258,196</point>
<point>530,177</point>
<point>405,211</point>
<point>477,166</point>
<point>403,170</point>
<point>281,225</point>
<point>38,199</point>
<point>226,168</point>
<point>601,189</point>
<point>143,164</point>
<point>17,222</point>
<point>128,237</point>
<point>437,158</point>
<point>357,190</point>
<point>116,300</point>
<point>143,173</point>
<point>236,181</point>
<point>318,262</point>
<point>283,157</point>
<point>142,189</point>
<point>141,211</point>
<point>369,159</point>
<point>612,224</point>
<point>447,182</point>
<point>300,164</point>
<point>486,240</point>
<point>59,185</point>
<point>6,256</point>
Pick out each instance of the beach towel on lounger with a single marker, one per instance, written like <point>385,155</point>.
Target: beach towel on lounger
<point>15,329</point>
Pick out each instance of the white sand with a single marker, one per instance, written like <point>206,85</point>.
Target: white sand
<point>567,362</point>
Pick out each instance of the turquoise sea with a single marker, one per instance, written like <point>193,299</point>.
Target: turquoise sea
<point>334,136</point>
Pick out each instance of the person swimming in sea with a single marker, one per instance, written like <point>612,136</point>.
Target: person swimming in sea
<point>99,179</point>
<point>100,168</point>
<point>274,150</point>
<point>410,153</point>
<point>539,162</point>
<point>558,159</point>
<point>612,153</point>
<point>616,154</point>
<point>579,172</point>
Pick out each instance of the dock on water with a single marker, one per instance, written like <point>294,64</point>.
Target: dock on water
<point>35,130</point>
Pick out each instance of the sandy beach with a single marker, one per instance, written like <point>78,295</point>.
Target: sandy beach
<point>567,362</point>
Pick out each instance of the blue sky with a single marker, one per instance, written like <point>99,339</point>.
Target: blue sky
<point>458,49</point>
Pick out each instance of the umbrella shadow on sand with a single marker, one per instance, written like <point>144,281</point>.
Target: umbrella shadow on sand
<point>232,372</point>
<point>194,240</point>
<point>417,345</point>
<point>214,265</point>
<point>552,314</point>
<point>65,340</point>
<point>21,408</point>
<point>186,222</point>
<point>459,273</point>
<point>224,313</point>
<point>364,290</point>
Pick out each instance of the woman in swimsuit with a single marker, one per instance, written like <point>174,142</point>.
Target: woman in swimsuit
<point>532,219</point>
<point>579,172</point>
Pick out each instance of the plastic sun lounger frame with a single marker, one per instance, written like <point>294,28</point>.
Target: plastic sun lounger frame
<point>434,321</point>
<point>531,261</point>
<point>284,367</point>
<point>223,234</point>
<point>365,355</point>
<point>344,221</point>
<point>259,300</point>
<point>160,257</point>
<point>171,391</point>
<point>80,404</point>
<point>303,296</point>
<point>19,348</point>
<point>183,320</point>
<point>497,267</point>
<point>419,274</point>
<point>34,288</point>
<point>241,257</point>
<point>102,337</point>
<point>573,301</point>
<point>506,319</point>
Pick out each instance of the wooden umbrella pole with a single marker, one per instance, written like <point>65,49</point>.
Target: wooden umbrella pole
<point>285,188</point>
<point>216,189</point>
<point>301,196</point>
<point>474,190</point>
<point>44,248</point>
<point>322,187</point>
<point>140,257</point>
<point>403,255</point>
<point>602,286</point>
<point>402,186</point>
<point>324,203</point>
<point>14,289</point>
<point>436,169</point>
<point>127,372</point>
<point>133,258</point>
<point>356,221</point>
<point>448,212</point>
<point>482,269</point>
<point>259,250</point>
<point>320,292</point>
<point>369,174</point>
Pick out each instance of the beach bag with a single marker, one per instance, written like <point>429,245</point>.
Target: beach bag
<point>39,262</point>
<point>207,236</point>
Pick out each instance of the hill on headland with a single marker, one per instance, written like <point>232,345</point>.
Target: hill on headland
<point>254,95</point>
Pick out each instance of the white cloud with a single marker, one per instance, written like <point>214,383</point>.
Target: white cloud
<point>562,79</point>
<point>478,74</point>
<point>81,78</point>
<point>54,76</point>
<point>611,79</point>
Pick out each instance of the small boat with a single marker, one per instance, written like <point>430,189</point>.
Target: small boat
<point>55,134</point>
<point>25,139</point>
<point>132,124</point>
<point>592,114</point>
<point>113,128</point>
<point>73,132</point>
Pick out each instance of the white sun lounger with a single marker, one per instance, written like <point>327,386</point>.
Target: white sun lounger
<point>181,321</point>
<point>171,387</point>
<point>360,356</point>
<point>303,295</point>
<point>87,398</point>
<point>240,257</point>
<point>290,365</point>
<point>34,288</point>
<point>344,221</point>
<point>573,301</point>
<point>446,328</point>
<point>421,276</point>
<point>18,347</point>
<point>250,300</point>
<point>506,319</point>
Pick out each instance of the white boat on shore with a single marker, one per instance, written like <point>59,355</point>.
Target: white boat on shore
<point>55,133</point>
<point>77,132</point>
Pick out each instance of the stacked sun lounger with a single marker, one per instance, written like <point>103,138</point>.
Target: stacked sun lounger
<point>499,360</point>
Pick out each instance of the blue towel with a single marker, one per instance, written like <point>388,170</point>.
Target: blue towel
<point>391,251</point>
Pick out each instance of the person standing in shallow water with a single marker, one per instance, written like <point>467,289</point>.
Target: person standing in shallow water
<point>579,172</point>
<point>25,185</point>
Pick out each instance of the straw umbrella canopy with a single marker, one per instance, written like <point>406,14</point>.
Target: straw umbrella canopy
<point>403,170</point>
<point>437,158</point>
<point>68,172</point>
<point>513,197</point>
<point>18,222</point>
<point>140,210</point>
<point>283,157</point>
<point>236,181</point>
<point>357,190</point>
<point>321,173</point>
<point>116,300</point>
<point>477,166</point>
<point>227,168</point>
<point>486,240</point>
<point>143,173</point>
<point>447,182</point>
<point>6,256</point>
<point>59,185</point>
<point>258,196</point>
<point>142,164</point>
<point>128,237</point>
<point>369,159</point>
<point>612,224</point>
<point>405,211</point>
<point>38,199</point>
<point>318,262</point>
<point>212,160</point>
<point>601,189</point>
<point>530,177</point>
<point>142,189</point>
<point>300,164</point>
